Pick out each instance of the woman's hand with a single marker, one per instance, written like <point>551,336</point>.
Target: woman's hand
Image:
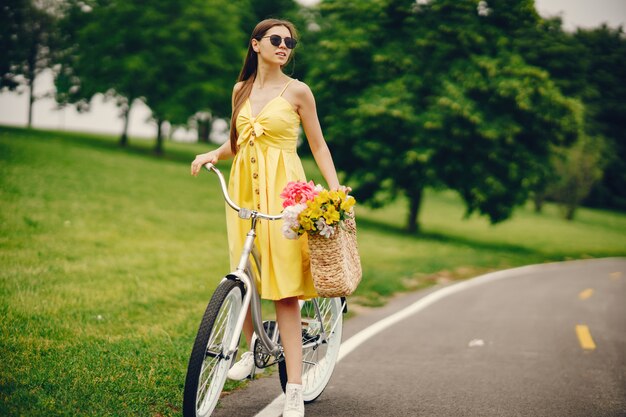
<point>203,159</point>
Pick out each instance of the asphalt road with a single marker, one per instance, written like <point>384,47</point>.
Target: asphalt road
<point>547,340</point>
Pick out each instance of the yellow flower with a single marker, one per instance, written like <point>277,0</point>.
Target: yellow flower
<point>323,196</point>
<point>331,215</point>
<point>314,211</point>
<point>348,204</point>
<point>305,220</point>
<point>342,195</point>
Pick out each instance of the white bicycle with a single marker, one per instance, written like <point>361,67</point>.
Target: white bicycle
<point>217,341</point>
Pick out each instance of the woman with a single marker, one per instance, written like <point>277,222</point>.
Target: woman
<point>268,107</point>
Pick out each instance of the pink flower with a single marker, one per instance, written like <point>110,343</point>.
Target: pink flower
<point>298,192</point>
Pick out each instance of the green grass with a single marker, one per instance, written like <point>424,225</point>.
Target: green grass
<point>108,257</point>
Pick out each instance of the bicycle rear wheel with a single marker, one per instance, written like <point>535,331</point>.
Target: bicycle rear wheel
<point>318,357</point>
<point>208,366</point>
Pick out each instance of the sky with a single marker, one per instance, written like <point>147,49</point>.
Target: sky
<point>104,116</point>
<point>585,13</point>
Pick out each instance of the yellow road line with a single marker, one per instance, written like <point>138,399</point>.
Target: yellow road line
<point>584,294</point>
<point>584,337</point>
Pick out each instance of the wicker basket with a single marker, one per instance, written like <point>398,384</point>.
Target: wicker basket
<point>335,261</point>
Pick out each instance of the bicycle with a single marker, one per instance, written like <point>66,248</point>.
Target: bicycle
<point>216,345</point>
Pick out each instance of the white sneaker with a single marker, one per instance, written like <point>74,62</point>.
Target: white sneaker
<point>243,369</point>
<point>294,404</point>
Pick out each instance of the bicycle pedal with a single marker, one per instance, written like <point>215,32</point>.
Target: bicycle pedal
<point>307,338</point>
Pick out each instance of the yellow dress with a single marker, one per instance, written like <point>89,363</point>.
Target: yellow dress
<point>265,163</point>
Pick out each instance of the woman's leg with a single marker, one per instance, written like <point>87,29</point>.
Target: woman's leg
<point>244,367</point>
<point>248,329</point>
<point>290,327</point>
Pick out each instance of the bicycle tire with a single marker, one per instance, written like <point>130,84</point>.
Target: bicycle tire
<point>318,363</point>
<point>207,369</point>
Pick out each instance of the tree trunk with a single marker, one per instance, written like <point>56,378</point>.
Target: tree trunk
<point>31,93</point>
<point>32,72</point>
<point>415,202</point>
<point>126,116</point>
<point>570,211</point>
<point>31,100</point>
<point>159,140</point>
<point>539,199</point>
<point>204,130</point>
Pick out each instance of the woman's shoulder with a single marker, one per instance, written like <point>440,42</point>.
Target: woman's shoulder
<point>299,95</point>
<point>300,89</point>
<point>238,86</point>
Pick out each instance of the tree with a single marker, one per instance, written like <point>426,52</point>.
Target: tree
<point>27,31</point>
<point>95,59</point>
<point>430,94</point>
<point>196,69</point>
<point>577,169</point>
<point>180,58</point>
<point>589,65</point>
<point>606,103</point>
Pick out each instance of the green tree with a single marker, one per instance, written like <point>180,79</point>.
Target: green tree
<point>590,65</point>
<point>549,46</point>
<point>606,104</point>
<point>265,9</point>
<point>577,169</point>
<point>430,94</point>
<point>27,42</point>
<point>97,59</point>
<point>194,69</point>
<point>180,58</point>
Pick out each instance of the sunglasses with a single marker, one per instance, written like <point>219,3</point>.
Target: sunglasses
<point>277,39</point>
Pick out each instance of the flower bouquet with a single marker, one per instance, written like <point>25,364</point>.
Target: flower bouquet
<point>327,217</point>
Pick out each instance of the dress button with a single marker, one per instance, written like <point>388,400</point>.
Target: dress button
<point>253,133</point>
<point>255,175</point>
<point>251,143</point>
<point>258,206</point>
<point>256,191</point>
<point>253,159</point>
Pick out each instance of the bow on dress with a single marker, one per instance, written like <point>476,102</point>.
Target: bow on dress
<point>249,127</point>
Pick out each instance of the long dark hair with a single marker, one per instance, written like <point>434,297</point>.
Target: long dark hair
<point>248,72</point>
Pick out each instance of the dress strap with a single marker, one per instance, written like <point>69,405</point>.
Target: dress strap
<point>285,87</point>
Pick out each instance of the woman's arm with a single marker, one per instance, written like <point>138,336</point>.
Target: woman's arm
<point>223,152</point>
<point>305,104</point>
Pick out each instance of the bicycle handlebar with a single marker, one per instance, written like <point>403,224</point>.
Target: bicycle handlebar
<point>244,213</point>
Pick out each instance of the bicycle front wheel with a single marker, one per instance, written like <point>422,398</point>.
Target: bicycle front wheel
<point>208,364</point>
<point>319,317</point>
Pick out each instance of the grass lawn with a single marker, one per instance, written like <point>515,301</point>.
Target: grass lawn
<point>108,257</point>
